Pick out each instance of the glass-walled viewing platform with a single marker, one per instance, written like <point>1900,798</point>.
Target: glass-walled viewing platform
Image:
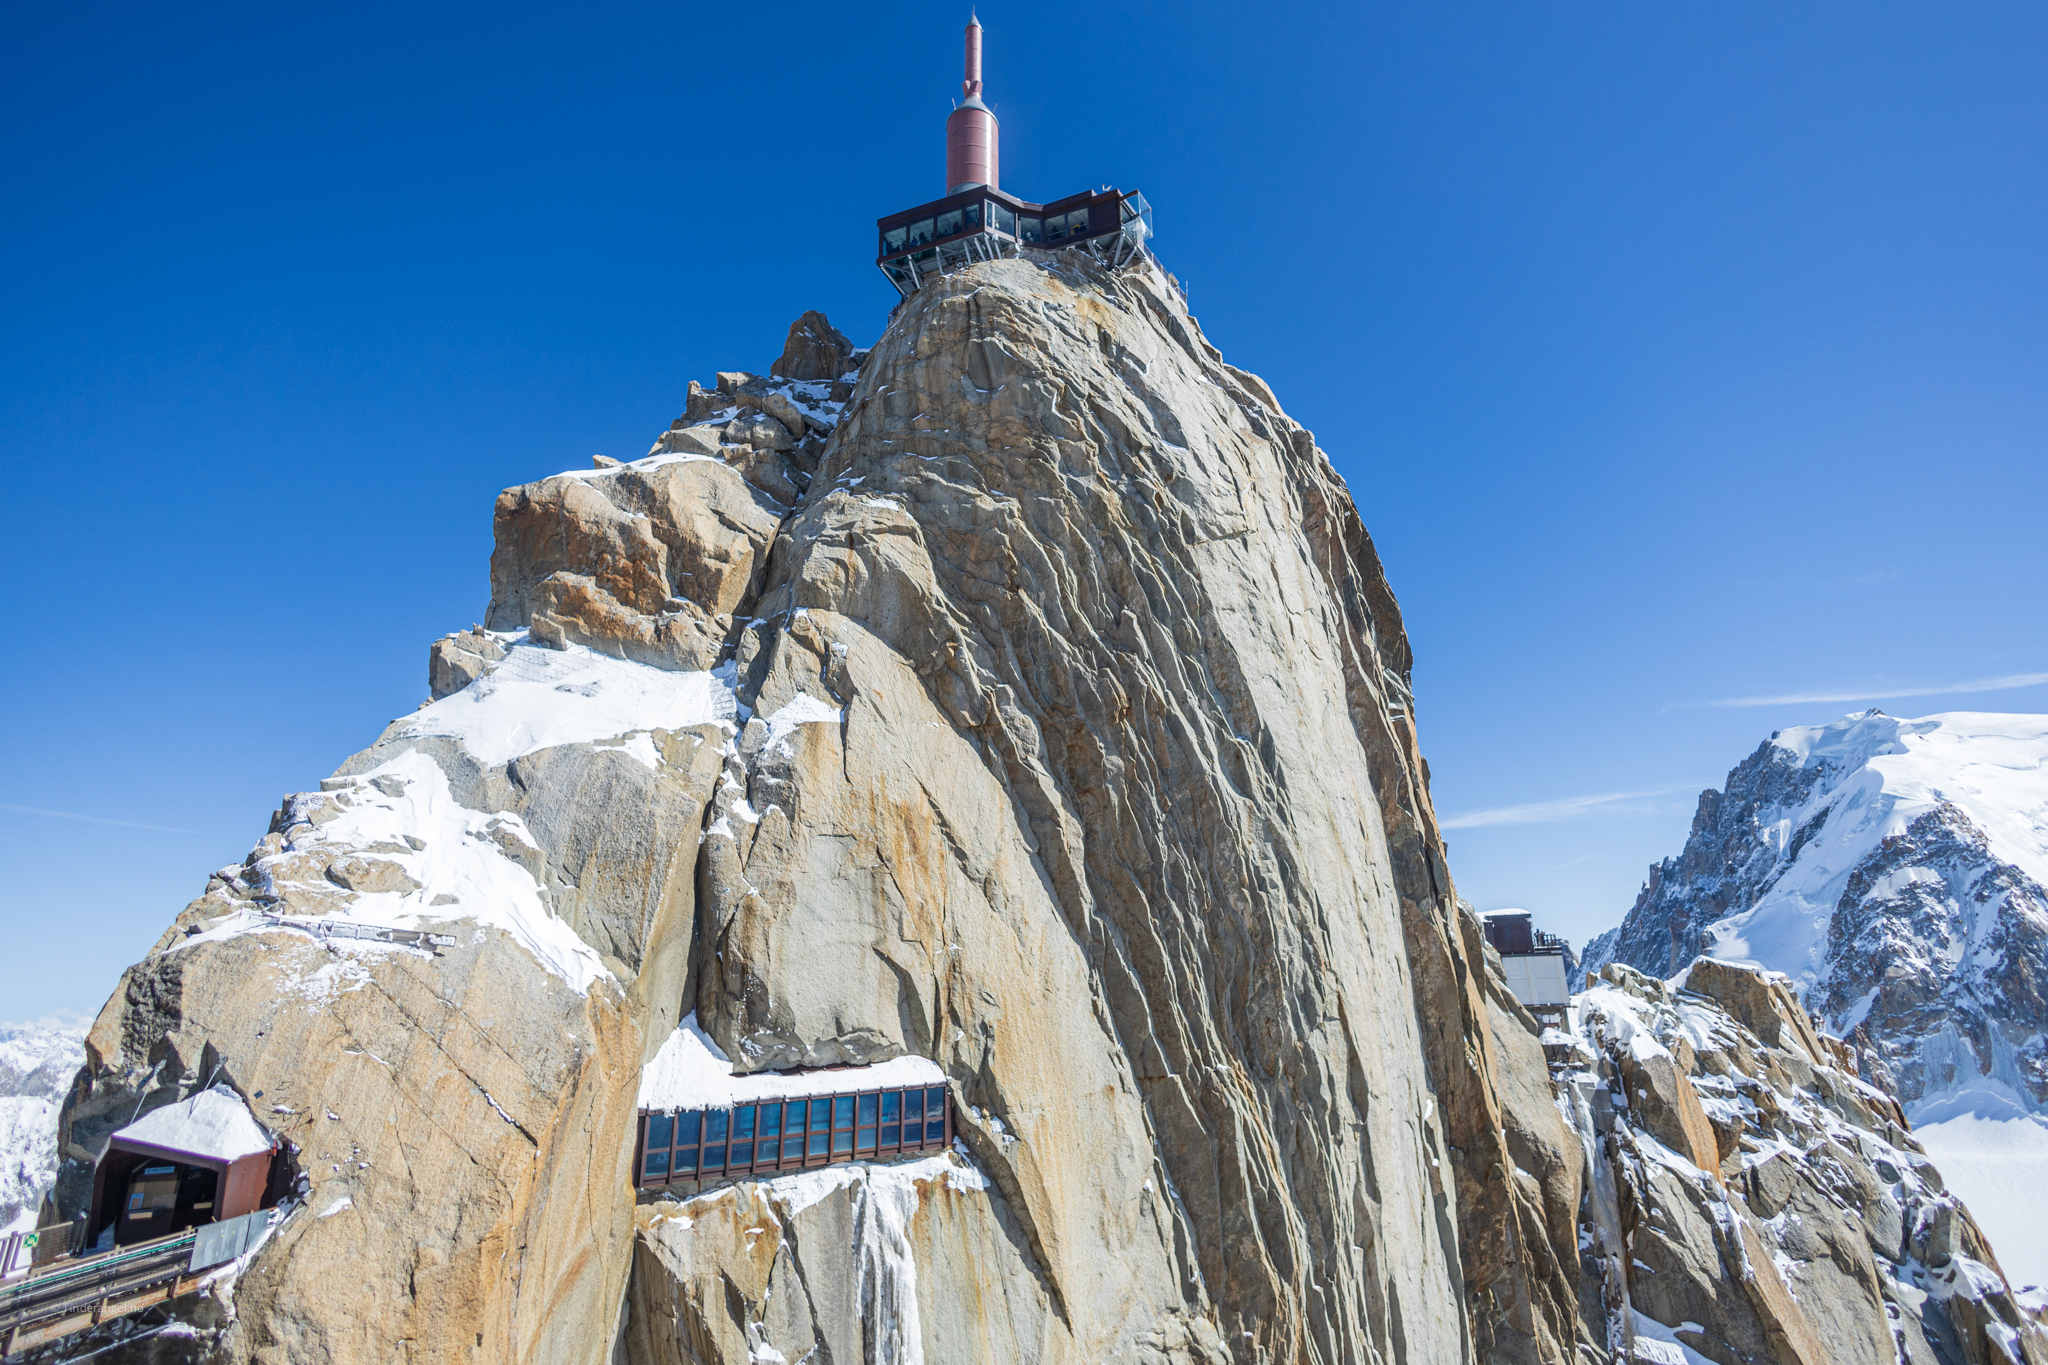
<point>731,1141</point>
<point>981,224</point>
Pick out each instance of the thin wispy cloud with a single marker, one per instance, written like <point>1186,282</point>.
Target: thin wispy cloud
<point>2005,684</point>
<point>1560,811</point>
<point>95,819</point>
<point>57,1021</point>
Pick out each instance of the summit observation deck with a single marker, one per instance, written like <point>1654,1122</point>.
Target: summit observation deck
<point>978,221</point>
<point>984,224</point>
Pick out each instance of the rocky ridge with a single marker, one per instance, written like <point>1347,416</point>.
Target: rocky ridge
<point>1895,870</point>
<point>1752,1198</point>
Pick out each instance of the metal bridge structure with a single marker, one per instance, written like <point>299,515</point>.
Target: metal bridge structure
<point>73,1294</point>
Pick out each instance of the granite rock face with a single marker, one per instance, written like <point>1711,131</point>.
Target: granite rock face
<point>459,659</point>
<point>815,350</point>
<point>1032,701</point>
<point>1805,1225</point>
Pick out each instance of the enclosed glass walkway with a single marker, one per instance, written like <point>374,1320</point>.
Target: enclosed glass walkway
<point>789,1134</point>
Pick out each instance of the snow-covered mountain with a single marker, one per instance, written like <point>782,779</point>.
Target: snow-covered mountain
<point>1895,869</point>
<point>37,1064</point>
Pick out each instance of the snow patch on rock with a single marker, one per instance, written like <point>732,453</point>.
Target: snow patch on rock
<point>537,698</point>
<point>214,1123</point>
<point>448,852</point>
<point>692,1072</point>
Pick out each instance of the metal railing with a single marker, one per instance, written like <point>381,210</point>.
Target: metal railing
<point>376,933</point>
<point>87,1280</point>
<point>34,1310</point>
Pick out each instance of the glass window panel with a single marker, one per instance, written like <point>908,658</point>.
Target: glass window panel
<point>935,1130</point>
<point>893,239</point>
<point>818,1141</point>
<point>842,1142</point>
<point>793,1117</point>
<point>821,1114</point>
<point>686,1161</point>
<point>1077,223</point>
<point>657,1164</point>
<point>865,1139</point>
<point>892,1133</point>
<point>1056,227</point>
<point>842,1112</point>
<point>892,1107</point>
<point>714,1158</point>
<point>949,223</point>
<point>771,1120</point>
<point>1031,229</point>
<point>974,215</point>
<point>659,1129</point>
<point>714,1126</point>
<point>867,1107</point>
<point>792,1148</point>
<point>921,232</point>
<point>934,1101</point>
<point>743,1121</point>
<point>913,1105</point>
<point>740,1154</point>
<point>686,1128</point>
<point>1000,218</point>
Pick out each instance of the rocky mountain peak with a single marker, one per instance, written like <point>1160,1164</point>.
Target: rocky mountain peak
<point>1895,870</point>
<point>1019,707</point>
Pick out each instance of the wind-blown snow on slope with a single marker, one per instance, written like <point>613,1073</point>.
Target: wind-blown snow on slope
<point>37,1062</point>
<point>1997,1163</point>
<point>1895,869</point>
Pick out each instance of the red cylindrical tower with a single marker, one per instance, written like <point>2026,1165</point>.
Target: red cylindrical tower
<point>971,130</point>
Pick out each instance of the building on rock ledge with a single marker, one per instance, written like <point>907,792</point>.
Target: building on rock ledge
<point>977,221</point>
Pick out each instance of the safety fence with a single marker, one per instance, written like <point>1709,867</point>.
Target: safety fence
<point>790,1134</point>
<point>376,933</point>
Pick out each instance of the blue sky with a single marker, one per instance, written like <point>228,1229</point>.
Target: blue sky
<point>1675,354</point>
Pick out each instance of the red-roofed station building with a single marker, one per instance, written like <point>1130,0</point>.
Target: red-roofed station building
<point>202,1160</point>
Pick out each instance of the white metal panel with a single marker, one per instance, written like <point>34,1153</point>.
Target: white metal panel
<point>1537,978</point>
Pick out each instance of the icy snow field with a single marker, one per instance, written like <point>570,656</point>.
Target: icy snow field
<point>1993,766</point>
<point>37,1062</point>
<point>465,861</point>
<point>458,855</point>
<point>537,698</point>
<point>1996,1160</point>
